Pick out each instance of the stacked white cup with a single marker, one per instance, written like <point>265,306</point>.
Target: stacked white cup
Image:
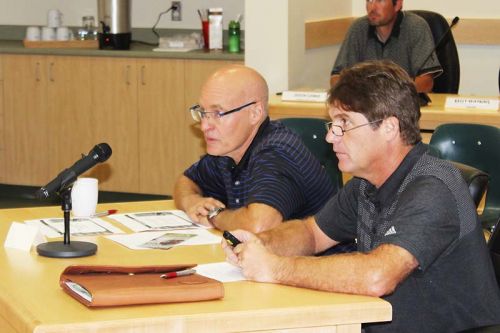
<point>54,29</point>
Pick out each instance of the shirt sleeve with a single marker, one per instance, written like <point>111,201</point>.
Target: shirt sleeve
<point>425,221</point>
<point>338,217</point>
<point>348,53</point>
<point>422,45</point>
<point>205,174</point>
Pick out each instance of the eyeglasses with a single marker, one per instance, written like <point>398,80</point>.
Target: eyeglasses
<point>198,113</point>
<point>339,130</point>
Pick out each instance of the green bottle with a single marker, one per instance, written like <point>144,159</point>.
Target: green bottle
<point>234,37</point>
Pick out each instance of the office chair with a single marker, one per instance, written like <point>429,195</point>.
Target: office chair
<point>313,132</point>
<point>477,146</point>
<point>447,54</point>
<point>476,180</point>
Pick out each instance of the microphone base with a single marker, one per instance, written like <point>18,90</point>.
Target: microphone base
<point>74,249</point>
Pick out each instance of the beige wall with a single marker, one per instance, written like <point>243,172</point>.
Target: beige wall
<point>33,12</point>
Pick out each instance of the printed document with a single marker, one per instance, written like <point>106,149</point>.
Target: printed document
<point>156,220</point>
<point>79,226</point>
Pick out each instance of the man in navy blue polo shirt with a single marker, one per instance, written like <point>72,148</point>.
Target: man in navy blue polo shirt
<point>256,173</point>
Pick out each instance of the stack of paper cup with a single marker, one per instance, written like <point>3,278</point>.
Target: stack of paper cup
<point>54,22</point>
<point>54,18</point>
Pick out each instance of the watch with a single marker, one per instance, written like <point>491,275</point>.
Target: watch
<point>214,212</point>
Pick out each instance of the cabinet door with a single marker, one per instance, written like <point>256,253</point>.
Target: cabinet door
<point>162,148</point>
<point>70,123</point>
<point>26,152</point>
<point>114,109</point>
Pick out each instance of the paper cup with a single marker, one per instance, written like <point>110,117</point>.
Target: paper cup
<point>33,33</point>
<point>62,33</point>
<point>48,33</point>
<point>84,197</point>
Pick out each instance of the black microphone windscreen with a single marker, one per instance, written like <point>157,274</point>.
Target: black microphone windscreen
<point>455,20</point>
<point>103,151</point>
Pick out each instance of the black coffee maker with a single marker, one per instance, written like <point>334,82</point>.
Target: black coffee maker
<point>114,24</point>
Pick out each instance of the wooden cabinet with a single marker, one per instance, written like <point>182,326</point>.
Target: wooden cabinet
<point>114,113</point>
<point>26,122</point>
<point>57,107</point>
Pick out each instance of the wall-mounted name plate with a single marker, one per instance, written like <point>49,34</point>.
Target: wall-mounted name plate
<point>490,104</point>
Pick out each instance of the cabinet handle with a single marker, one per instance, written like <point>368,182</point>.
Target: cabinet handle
<point>51,77</point>
<point>127,75</point>
<point>37,72</point>
<point>143,75</point>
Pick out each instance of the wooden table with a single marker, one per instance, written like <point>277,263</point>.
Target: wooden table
<point>32,301</point>
<point>432,115</point>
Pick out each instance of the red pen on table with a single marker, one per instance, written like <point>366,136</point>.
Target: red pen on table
<point>171,275</point>
<point>105,213</point>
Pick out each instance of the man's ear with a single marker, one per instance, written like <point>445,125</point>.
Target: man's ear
<point>390,127</point>
<point>256,112</point>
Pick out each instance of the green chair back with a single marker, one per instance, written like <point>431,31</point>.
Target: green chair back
<point>313,132</point>
<point>477,146</point>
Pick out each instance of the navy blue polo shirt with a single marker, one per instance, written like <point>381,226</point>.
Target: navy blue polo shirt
<point>277,170</point>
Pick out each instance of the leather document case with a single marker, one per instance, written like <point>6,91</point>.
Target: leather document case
<point>98,286</point>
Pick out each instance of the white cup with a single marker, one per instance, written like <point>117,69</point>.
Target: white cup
<point>84,197</point>
<point>32,33</point>
<point>62,33</point>
<point>54,18</point>
<point>48,33</point>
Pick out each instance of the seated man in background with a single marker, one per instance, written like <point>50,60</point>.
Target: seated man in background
<point>257,169</point>
<point>388,33</point>
<point>420,243</point>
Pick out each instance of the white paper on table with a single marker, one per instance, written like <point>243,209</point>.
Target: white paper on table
<point>23,237</point>
<point>79,226</point>
<point>221,271</point>
<point>155,220</point>
<point>135,241</point>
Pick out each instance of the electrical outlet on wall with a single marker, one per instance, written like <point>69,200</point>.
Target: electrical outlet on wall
<point>176,11</point>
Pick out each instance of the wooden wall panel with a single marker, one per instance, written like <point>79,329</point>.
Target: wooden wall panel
<point>327,32</point>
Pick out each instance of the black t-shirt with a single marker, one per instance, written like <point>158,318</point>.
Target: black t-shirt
<point>425,208</point>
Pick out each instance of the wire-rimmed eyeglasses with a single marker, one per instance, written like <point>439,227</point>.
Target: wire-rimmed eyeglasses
<point>338,130</point>
<point>198,113</point>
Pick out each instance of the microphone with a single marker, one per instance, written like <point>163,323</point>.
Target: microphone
<point>424,99</point>
<point>98,154</point>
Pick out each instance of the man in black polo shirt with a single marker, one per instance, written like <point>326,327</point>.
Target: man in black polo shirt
<point>386,32</point>
<point>420,243</point>
<point>255,169</point>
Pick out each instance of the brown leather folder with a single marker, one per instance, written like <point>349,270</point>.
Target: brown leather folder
<point>97,286</point>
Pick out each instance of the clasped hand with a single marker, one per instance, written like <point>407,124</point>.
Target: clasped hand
<point>255,260</point>
<point>199,210</point>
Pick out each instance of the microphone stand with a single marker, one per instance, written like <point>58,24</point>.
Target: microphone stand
<point>66,248</point>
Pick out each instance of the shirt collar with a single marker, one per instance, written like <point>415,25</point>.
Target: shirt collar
<point>382,196</point>
<point>396,29</point>
<point>231,165</point>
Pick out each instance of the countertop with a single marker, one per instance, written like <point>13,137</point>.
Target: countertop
<point>137,50</point>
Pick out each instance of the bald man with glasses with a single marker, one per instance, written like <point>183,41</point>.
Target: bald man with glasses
<point>256,173</point>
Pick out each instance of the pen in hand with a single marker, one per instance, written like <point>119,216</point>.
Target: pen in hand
<point>171,275</point>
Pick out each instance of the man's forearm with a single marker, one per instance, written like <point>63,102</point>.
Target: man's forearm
<point>185,192</point>
<point>255,218</point>
<point>293,238</point>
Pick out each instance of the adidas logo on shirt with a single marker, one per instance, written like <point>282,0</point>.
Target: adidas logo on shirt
<point>391,231</point>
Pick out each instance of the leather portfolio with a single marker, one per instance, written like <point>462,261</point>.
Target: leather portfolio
<point>97,286</point>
